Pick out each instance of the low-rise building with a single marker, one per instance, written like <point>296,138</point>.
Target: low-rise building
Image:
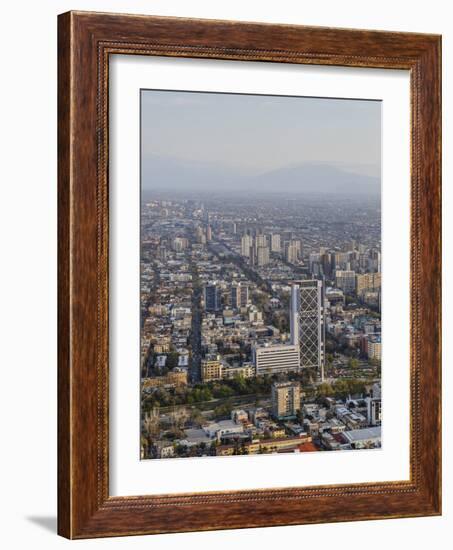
<point>266,446</point>
<point>247,370</point>
<point>274,359</point>
<point>195,436</point>
<point>164,449</point>
<point>330,442</point>
<point>211,369</point>
<point>366,438</point>
<point>176,378</point>
<point>221,428</point>
<point>239,415</point>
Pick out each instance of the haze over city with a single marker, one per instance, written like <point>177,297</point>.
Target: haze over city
<point>260,275</point>
<point>253,143</point>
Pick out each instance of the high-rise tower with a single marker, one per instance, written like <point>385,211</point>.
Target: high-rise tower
<point>212,300</point>
<point>307,321</point>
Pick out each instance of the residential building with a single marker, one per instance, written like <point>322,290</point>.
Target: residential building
<point>345,279</point>
<point>340,261</point>
<point>374,260</point>
<point>297,244</point>
<point>285,399</point>
<point>175,378</point>
<point>208,233</point>
<point>262,255</point>
<point>376,390</point>
<point>255,316</point>
<point>247,246</point>
<point>367,281</point>
<point>211,369</point>
<point>374,411</point>
<point>162,253</point>
<point>200,235</point>
<point>374,347</point>
<point>229,372</point>
<point>273,445</point>
<point>260,240</point>
<point>212,298</point>
<point>239,295</point>
<point>180,244</point>
<point>291,252</point>
<point>164,449</point>
<point>276,243</point>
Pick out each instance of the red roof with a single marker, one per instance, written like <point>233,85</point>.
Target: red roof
<point>308,447</point>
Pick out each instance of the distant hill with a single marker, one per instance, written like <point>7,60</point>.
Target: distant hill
<point>317,178</point>
<point>165,173</point>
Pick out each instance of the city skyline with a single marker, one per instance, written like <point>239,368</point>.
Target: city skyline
<point>260,294</point>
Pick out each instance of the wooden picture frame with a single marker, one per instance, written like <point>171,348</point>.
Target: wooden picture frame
<point>85,42</point>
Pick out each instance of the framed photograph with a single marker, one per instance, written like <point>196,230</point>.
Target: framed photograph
<point>249,275</point>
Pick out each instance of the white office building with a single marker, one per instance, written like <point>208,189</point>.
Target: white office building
<point>274,359</point>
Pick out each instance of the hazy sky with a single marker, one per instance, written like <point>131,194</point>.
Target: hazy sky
<point>258,133</point>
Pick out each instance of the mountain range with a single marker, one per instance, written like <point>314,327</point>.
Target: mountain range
<point>169,174</point>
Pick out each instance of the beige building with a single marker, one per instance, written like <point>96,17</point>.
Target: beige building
<point>246,245</point>
<point>291,252</point>
<point>262,255</point>
<point>246,371</point>
<point>276,243</point>
<point>266,446</point>
<point>162,347</point>
<point>211,369</point>
<point>173,378</point>
<point>368,281</point>
<point>285,399</point>
<point>374,348</point>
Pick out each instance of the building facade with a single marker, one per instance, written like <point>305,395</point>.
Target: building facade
<point>285,399</point>
<point>307,323</point>
<point>262,255</point>
<point>212,299</point>
<point>374,411</point>
<point>276,359</point>
<point>247,246</point>
<point>345,279</point>
<point>276,243</point>
<point>291,252</point>
<point>368,281</point>
<point>211,369</point>
<point>239,295</point>
<point>374,347</point>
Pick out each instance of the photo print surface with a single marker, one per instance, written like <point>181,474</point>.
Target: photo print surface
<point>260,279</point>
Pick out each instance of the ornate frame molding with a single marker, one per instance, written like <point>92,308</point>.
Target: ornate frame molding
<point>86,40</point>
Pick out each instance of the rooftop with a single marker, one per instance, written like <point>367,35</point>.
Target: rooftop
<point>364,433</point>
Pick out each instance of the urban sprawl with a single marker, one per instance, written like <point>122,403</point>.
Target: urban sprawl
<point>260,325</point>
